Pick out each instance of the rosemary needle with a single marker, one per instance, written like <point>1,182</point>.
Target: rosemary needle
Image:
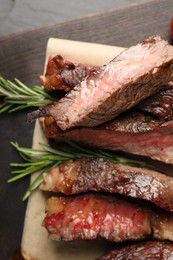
<point>43,160</point>
<point>17,96</point>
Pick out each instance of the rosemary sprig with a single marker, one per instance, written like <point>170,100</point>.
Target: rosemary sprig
<point>43,160</point>
<point>17,96</point>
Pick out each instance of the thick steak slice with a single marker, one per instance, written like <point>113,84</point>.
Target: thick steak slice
<point>93,174</point>
<point>135,74</point>
<point>150,250</point>
<point>93,216</point>
<point>129,121</point>
<point>62,74</point>
<point>156,144</point>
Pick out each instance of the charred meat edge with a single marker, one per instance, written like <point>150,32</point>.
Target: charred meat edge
<point>63,74</point>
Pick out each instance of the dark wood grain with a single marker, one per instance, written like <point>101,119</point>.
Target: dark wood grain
<point>22,56</point>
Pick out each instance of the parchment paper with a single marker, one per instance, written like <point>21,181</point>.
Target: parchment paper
<point>35,241</point>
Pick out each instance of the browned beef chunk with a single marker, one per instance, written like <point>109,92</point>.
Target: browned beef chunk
<point>156,144</point>
<point>93,174</point>
<point>93,216</point>
<point>64,74</point>
<point>132,76</point>
<point>150,250</point>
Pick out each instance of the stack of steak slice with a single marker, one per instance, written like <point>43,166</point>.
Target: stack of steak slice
<point>102,83</point>
<point>137,202</point>
<point>132,76</point>
<point>62,74</point>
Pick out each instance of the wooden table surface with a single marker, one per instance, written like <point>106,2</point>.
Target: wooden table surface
<point>22,56</point>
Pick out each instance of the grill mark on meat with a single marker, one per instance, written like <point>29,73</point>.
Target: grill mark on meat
<point>132,76</point>
<point>156,144</point>
<point>159,105</point>
<point>64,74</point>
<point>95,174</point>
<point>150,250</point>
<point>93,216</point>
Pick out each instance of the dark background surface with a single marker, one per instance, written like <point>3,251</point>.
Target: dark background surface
<point>22,56</point>
<point>18,15</point>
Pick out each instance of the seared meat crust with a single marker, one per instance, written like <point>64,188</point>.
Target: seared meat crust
<point>95,174</point>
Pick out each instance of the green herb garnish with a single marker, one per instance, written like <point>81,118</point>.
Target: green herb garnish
<point>43,160</point>
<point>17,96</point>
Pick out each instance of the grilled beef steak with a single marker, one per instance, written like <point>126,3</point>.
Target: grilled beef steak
<point>129,121</point>
<point>156,144</point>
<point>96,174</point>
<point>64,74</point>
<point>132,76</point>
<point>159,105</point>
<point>93,216</point>
<point>151,250</point>
<point>132,132</point>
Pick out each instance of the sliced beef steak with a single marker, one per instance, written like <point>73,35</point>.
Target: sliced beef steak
<point>64,74</point>
<point>150,250</point>
<point>159,105</point>
<point>156,144</point>
<point>129,121</point>
<point>132,76</point>
<point>94,216</point>
<point>95,174</point>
